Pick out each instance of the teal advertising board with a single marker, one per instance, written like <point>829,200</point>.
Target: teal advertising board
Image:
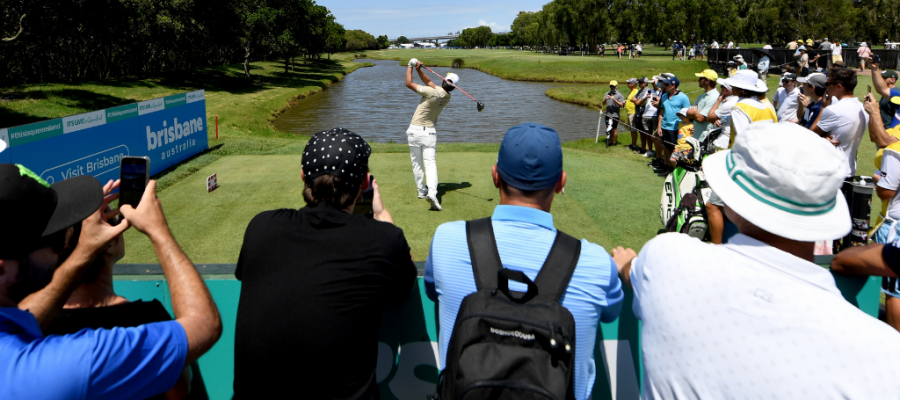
<point>408,349</point>
<point>168,130</point>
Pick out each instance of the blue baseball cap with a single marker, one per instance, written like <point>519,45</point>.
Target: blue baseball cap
<point>671,80</point>
<point>530,157</point>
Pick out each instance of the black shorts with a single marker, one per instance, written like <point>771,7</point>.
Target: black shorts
<point>669,137</point>
<point>615,121</point>
<point>639,53</point>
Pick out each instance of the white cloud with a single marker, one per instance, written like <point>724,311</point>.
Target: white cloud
<point>493,25</point>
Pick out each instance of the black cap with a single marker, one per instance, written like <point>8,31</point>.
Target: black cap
<point>32,209</point>
<point>337,152</point>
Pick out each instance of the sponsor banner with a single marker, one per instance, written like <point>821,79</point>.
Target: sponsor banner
<point>4,154</point>
<point>175,101</point>
<point>149,106</point>
<point>22,134</point>
<point>168,130</point>
<point>121,112</point>
<point>79,122</point>
<point>198,95</point>
<point>95,151</point>
<point>172,135</point>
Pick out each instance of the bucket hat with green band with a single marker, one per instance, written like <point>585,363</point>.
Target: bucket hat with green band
<point>784,179</point>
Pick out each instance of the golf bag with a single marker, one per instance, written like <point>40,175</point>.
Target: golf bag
<point>706,146</point>
<point>682,207</point>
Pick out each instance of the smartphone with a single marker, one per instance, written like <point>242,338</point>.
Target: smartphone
<point>134,173</point>
<point>870,89</point>
<point>364,205</point>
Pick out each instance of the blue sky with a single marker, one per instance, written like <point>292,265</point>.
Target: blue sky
<point>426,18</point>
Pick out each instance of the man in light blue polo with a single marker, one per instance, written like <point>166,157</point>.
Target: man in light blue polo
<point>529,172</point>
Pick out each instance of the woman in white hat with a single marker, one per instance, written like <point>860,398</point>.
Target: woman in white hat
<point>864,53</point>
<point>756,317</point>
<point>739,59</point>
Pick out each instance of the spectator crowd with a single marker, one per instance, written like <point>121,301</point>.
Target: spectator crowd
<point>749,315</point>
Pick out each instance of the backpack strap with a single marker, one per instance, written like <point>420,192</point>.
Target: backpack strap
<point>557,270</point>
<point>483,252</point>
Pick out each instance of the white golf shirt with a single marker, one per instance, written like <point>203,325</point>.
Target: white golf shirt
<point>846,120</point>
<point>745,320</point>
<point>788,104</point>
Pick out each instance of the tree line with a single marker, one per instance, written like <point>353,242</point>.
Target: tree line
<point>591,22</point>
<point>70,40</point>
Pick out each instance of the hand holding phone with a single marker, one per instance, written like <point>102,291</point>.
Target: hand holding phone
<point>134,173</point>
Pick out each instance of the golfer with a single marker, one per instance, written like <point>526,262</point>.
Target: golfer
<point>421,136</point>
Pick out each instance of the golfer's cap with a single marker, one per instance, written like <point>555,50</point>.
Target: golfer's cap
<point>32,209</point>
<point>530,157</point>
<point>337,152</point>
<point>795,195</point>
<point>815,79</point>
<point>889,74</point>
<point>613,83</point>
<point>453,78</point>
<point>708,74</point>
<point>787,76</point>
<point>682,112</point>
<point>643,80</point>
<point>632,80</point>
<point>671,80</point>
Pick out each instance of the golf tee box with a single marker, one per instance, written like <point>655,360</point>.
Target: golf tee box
<point>212,183</point>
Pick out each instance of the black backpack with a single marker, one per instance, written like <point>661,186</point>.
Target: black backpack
<point>509,345</point>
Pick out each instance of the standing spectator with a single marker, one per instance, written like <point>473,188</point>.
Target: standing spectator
<point>614,102</point>
<point>630,111</point>
<point>768,46</point>
<point>602,51</point>
<point>642,105</point>
<point>762,288</point>
<point>674,50</point>
<point>825,45</point>
<point>836,53</point>
<point>843,119</point>
<point>651,123</point>
<point>864,52</point>
<point>714,45</point>
<point>787,99</point>
<point>720,114</point>
<point>884,83</point>
<point>699,111</point>
<point>692,53</point>
<point>670,103</point>
<point>640,49</point>
<point>620,50</point>
<point>37,277</point>
<point>741,64</point>
<point>701,50</point>
<point>792,45</point>
<point>314,282</point>
<point>814,86</point>
<point>803,61</point>
<point>730,44</point>
<point>763,65</point>
<point>529,173</point>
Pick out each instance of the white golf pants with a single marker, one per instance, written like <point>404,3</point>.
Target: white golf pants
<point>422,145</point>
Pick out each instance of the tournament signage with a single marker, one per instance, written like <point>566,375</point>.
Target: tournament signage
<point>168,130</point>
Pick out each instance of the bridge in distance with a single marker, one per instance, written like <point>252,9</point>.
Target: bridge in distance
<point>427,38</point>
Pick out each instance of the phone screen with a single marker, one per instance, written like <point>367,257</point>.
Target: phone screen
<point>364,205</point>
<point>133,174</point>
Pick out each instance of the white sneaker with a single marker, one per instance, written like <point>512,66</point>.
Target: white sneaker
<point>421,195</point>
<point>435,205</point>
<point>650,154</point>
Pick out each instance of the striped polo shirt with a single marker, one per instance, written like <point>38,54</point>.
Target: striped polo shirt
<point>524,237</point>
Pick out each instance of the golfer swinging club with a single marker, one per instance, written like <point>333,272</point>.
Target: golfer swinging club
<point>421,136</point>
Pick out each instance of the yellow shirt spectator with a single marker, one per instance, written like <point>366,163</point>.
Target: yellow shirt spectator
<point>629,106</point>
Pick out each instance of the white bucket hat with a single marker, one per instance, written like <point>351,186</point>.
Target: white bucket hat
<point>789,193</point>
<point>744,79</point>
<point>761,86</point>
<point>453,78</point>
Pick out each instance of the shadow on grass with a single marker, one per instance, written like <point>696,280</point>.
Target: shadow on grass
<point>450,187</point>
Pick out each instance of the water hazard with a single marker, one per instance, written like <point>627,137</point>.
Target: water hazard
<point>375,103</point>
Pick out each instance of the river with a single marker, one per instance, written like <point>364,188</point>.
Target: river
<point>375,103</point>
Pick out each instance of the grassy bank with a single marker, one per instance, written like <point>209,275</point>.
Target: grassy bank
<point>528,66</point>
<point>244,108</point>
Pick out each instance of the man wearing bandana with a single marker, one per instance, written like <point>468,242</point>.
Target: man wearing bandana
<point>315,280</point>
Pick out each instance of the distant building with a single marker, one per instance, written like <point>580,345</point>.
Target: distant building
<point>407,46</point>
<point>425,45</point>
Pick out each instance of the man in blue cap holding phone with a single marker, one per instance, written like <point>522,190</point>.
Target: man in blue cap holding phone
<point>529,174</point>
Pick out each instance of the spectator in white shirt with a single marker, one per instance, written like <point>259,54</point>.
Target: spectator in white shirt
<point>843,119</point>
<point>756,318</point>
<point>786,99</point>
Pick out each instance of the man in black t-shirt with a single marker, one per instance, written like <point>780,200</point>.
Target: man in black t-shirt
<point>314,282</point>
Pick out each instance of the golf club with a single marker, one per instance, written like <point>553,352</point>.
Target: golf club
<point>480,105</point>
